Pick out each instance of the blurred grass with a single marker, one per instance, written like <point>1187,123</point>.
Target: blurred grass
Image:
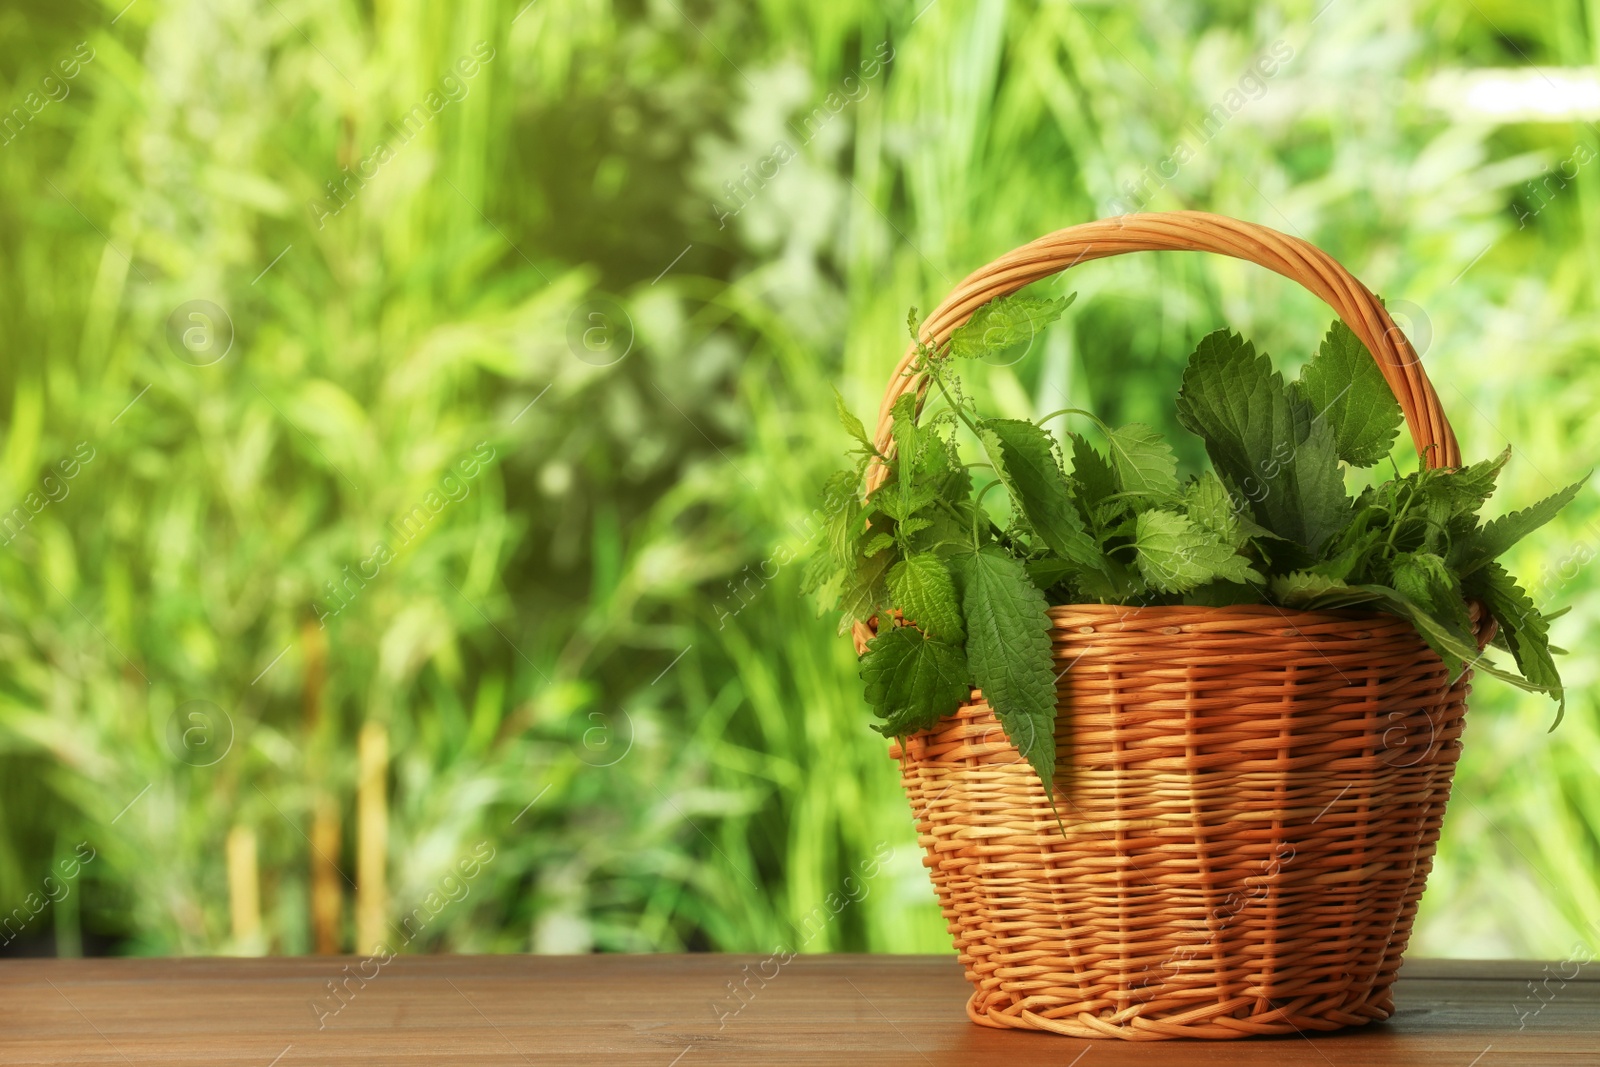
<point>606,625</point>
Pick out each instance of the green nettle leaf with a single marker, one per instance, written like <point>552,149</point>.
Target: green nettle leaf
<point>1495,537</point>
<point>1143,462</point>
<point>876,543</point>
<point>1267,443</point>
<point>904,499</point>
<point>1116,585</point>
<point>1228,400</point>
<point>1175,554</point>
<point>1525,630</point>
<point>1211,507</point>
<point>1313,505</point>
<point>1009,650</point>
<point>864,589</point>
<point>926,595</point>
<point>907,434</point>
<point>911,527</point>
<point>1352,558</point>
<point>1000,324</point>
<point>852,425</point>
<point>842,525</point>
<point>1311,591</point>
<point>1345,389</point>
<point>1050,571</point>
<point>936,457</point>
<point>821,580</point>
<point>1092,475</point>
<point>1024,457</point>
<point>1466,490</point>
<point>912,681</point>
<point>843,509</point>
<point>1425,579</point>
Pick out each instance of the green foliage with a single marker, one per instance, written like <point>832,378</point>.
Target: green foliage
<point>923,590</point>
<point>1480,547</point>
<point>1523,629</point>
<point>912,680</point>
<point>1123,531</point>
<point>1424,580</point>
<point>1262,437</point>
<point>1346,389</point>
<point>1210,507</point>
<point>1093,479</point>
<point>1008,646</point>
<point>1177,554</point>
<point>1024,457</point>
<point>1143,463</point>
<point>851,424</point>
<point>1002,324</point>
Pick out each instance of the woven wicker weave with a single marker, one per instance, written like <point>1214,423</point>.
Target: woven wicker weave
<point>1251,796</point>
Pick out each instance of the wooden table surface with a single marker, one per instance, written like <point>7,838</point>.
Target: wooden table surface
<point>662,1011</point>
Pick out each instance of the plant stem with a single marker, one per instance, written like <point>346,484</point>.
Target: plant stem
<point>1091,416</point>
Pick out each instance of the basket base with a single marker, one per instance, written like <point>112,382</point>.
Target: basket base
<point>1213,1022</point>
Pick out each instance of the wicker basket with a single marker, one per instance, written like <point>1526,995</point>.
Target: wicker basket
<point>1251,796</point>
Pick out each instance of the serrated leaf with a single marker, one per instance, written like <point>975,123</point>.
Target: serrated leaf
<point>1424,579</point>
<point>842,526</point>
<point>901,501</point>
<point>1175,554</point>
<point>1009,651</point>
<point>914,526</point>
<point>1024,457</point>
<point>1467,489</point>
<point>912,681</point>
<point>903,428</point>
<point>1310,591</point>
<point>852,425</point>
<point>1050,571</point>
<point>1117,584</point>
<point>936,457</point>
<point>1494,538</point>
<point>1345,389</point>
<point>1211,507</point>
<point>821,579</point>
<point>1143,462</point>
<point>863,591</point>
<point>1003,323</point>
<point>876,543</point>
<point>1092,475</point>
<point>1525,632</point>
<point>1352,558</point>
<point>1266,443</point>
<point>843,510</point>
<point>925,593</point>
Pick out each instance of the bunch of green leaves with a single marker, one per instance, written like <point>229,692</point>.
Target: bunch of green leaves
<point>960,602</point>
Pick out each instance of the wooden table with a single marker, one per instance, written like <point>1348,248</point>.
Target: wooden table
<point>662,1011</point>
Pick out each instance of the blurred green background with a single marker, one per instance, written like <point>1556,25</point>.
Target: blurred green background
<point>432,581</point>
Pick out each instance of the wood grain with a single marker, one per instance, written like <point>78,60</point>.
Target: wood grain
<point>661,1011</point>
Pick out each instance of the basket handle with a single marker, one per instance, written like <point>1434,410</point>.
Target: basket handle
<point>1191,231</point>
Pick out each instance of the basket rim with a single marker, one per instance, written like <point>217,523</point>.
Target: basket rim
<point>1185,619</point>
<point>1157,612</point>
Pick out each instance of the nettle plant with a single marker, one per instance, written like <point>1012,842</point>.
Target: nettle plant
<point>960,602</point>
